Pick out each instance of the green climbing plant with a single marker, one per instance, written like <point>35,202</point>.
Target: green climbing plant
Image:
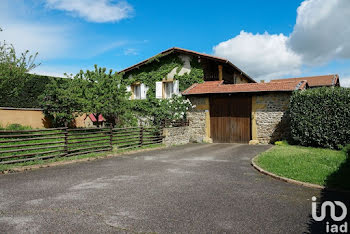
<point>156,110</point>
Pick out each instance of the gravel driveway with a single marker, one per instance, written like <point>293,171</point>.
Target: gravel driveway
<point>196,188</point>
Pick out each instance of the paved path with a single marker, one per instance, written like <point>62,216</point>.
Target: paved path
<point>197,188</point>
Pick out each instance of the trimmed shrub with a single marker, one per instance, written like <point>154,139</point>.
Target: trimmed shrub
<point>27,95</point>
<point>346,150</point>
<point>321,117</point>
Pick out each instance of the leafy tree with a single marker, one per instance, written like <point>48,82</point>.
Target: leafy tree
<point>13,69</point>
<point>92,92</point>
<point>104,93</point>
<point>61,102</point>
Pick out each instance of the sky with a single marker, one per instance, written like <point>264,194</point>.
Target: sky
<point>267,39</point>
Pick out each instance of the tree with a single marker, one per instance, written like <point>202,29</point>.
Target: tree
<point>104,94</point>
<point>92,92</point>
<point>61,102</point>
<point>13,69</point>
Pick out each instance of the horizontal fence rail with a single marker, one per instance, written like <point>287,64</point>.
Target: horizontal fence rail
<point>28,145</point>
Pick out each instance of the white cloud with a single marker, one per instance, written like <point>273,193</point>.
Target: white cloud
<point>345,81</point>
<point>322,31</point>
<point>99,11</point>
<point>260,55</point>
<point>130,51</point>
<point>58,70</point>
<point>49,41</point>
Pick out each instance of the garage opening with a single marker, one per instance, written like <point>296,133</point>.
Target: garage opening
<point>230,119</point>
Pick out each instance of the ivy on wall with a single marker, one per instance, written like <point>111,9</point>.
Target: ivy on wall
<point>156,70</point>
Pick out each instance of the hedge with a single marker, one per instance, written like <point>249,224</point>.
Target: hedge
<point>27,96</point>
<point>321,117</point>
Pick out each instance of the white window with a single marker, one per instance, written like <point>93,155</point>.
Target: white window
<point>138,91</point>
<point>167,89</point>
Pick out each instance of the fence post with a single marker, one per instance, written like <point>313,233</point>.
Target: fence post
<point>141,136</point>
<point>65,141</point>
<point>111,136</point>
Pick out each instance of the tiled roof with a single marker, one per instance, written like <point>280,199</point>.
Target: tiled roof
<point>313,81</point>
<point>210,87</point>
<point>93,119</point>
<point>177,49</point>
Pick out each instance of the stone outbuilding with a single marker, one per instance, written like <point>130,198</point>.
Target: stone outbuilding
<point>251,112</point>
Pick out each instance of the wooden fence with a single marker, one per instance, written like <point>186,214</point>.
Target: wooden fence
<point>28,145</point>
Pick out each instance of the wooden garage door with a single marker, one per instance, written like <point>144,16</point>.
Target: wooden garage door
<point>230,119</point>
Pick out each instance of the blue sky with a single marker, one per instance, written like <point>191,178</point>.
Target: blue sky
<point>267,39</point>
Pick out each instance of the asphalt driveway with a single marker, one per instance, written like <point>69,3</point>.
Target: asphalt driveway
<point>196,188</point>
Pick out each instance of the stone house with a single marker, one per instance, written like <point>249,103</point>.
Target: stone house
<point>230,105</point>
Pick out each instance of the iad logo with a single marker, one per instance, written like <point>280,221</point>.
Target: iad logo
<point>333,228</point>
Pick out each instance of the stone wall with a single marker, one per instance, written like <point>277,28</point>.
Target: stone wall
<point>176,136</point>
<point>195,132</point>
<point>272,123</point>
<point>197,126</point>
<point>198,129</point>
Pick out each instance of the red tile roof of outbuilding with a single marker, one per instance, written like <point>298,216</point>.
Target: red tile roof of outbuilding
<point>314,81</point>
<point>210,87</point>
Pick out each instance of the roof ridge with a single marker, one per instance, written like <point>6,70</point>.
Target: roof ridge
<point>301,77</point>
<point>270,83</point>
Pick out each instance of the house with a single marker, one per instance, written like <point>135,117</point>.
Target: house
<point>183,63</point>
<point>230,105</point>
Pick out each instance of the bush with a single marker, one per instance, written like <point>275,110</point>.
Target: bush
<point>281,143</point>
<point>321,117</point>
<point>15,127</point>
<point>346,150</point>
<point>27,94</point>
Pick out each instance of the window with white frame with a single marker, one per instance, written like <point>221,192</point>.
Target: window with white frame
<point>167,89</point>
<point>138,91</point>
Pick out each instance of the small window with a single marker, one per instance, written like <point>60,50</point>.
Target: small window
<point>136,91</point>
<point>168,89</point>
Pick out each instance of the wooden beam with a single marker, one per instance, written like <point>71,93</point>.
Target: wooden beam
<point>220,72</point>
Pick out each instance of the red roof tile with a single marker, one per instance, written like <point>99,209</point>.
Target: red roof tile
<point>313,81</point>
<point>210,87</point>
<point>93,119</point>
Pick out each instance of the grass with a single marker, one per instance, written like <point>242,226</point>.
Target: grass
<point>6,167</point>
<point>325,167</point>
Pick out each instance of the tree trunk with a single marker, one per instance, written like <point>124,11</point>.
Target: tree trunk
<point>97,120</point>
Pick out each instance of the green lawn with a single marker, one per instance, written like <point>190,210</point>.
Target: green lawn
<point>314,165</point>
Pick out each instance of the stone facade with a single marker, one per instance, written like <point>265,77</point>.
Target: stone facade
<point>270,115</point>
